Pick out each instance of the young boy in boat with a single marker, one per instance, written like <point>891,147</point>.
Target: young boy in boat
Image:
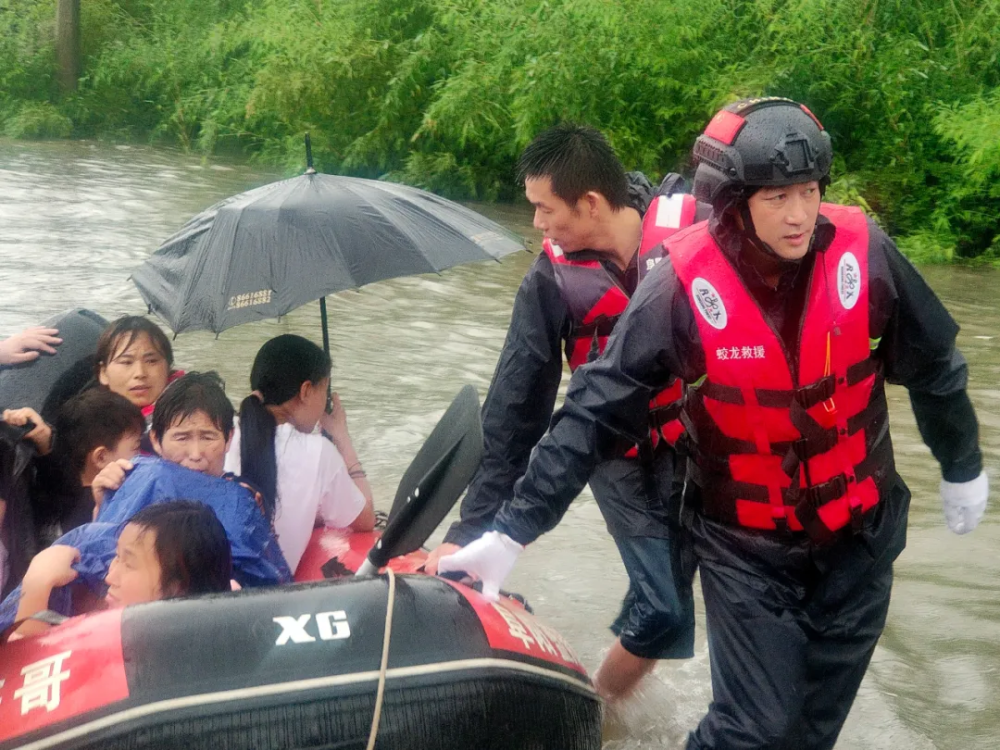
<point>165,551</point>
<point>52,495</point>
<point>94,428</point>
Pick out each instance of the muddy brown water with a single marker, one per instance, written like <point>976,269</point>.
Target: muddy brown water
<point>76,217</point>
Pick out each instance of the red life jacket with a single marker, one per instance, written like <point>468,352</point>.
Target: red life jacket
<point>774,448</point>
<point>596,302</point>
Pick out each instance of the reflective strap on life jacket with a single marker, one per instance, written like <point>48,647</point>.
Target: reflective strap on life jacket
<point>666,214</point>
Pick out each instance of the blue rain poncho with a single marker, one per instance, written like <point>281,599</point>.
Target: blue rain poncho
<point>257,559</point>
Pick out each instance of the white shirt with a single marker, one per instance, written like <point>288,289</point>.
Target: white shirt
<point>313,482</point>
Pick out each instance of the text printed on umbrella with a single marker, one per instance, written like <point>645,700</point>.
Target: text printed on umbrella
<point>249,299</point>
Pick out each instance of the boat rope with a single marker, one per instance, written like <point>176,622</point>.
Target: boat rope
<point>386,638</point>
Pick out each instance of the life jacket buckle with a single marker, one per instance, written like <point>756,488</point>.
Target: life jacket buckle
<point>780,518</point>
<point>821,494</point>
<point>818,392</point>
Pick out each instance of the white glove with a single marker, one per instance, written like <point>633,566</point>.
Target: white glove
<point>965,503</point>
<point>490,559</point>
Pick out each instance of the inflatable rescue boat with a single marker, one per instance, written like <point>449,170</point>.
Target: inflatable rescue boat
<point>301,666</point>
<point>392,660</point>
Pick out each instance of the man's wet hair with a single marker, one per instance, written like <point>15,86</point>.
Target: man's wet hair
<point>122,333</point>
<point>95,418</point>
<point>578,159</point>
<point>191,545</point>
<point>195,391</point>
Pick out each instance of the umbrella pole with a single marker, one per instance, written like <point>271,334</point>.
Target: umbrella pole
<point>326,348</point>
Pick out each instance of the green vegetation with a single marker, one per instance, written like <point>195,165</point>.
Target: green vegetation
<point>444,93</point>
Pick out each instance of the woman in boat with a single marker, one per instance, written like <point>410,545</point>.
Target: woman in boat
<point>165,551</point>
<point>135,360</point>
<point>304,477</point>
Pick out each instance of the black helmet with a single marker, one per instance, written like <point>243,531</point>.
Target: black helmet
<point>763,142</point>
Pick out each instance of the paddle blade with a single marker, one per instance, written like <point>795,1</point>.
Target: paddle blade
<point>435,479</point>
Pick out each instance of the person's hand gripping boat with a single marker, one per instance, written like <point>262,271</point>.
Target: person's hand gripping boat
<point>490,558</point>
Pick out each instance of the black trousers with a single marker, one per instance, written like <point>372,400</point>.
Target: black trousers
<point>657,615</point>
<point>640,501</point>
<point>791,628</point>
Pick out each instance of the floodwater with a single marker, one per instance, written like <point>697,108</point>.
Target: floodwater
<point>76,218</point>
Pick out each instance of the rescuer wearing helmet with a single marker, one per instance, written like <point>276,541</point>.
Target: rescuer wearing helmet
<point>787,316</point>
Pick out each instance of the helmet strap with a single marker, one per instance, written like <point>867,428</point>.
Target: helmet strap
<point>749,234</point>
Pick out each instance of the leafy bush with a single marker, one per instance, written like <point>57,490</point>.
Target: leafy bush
<point>38,120</point>
<point>27,60</point>
<point>445,93</point>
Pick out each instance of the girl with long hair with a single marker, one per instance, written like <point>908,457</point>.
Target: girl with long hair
<point>304,477</point>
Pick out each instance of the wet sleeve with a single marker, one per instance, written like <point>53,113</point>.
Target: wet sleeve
<point>606,407</point>
<point>917,347</point>
<point>50,492</point>
<point>520,400</point>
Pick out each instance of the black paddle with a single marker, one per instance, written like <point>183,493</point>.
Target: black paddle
<point>434,481</point>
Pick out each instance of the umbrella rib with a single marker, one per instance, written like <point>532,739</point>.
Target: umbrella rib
<point>350,187</point>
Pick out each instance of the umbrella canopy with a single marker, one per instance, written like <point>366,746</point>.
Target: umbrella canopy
<point>265,252</point>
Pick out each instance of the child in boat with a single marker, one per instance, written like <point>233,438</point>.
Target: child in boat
<point>94,429</point>
<point>192,425</point>
<point>304,476</point>
<point>165,551</point>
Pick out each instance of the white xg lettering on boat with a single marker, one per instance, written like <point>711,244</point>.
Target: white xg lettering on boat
<point>330,626</point>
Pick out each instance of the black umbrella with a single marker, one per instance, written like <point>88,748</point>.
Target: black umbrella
<point>263,253</point>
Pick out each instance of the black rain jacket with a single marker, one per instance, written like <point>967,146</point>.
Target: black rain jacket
<point>519,405</point>
<point>657,338</point>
